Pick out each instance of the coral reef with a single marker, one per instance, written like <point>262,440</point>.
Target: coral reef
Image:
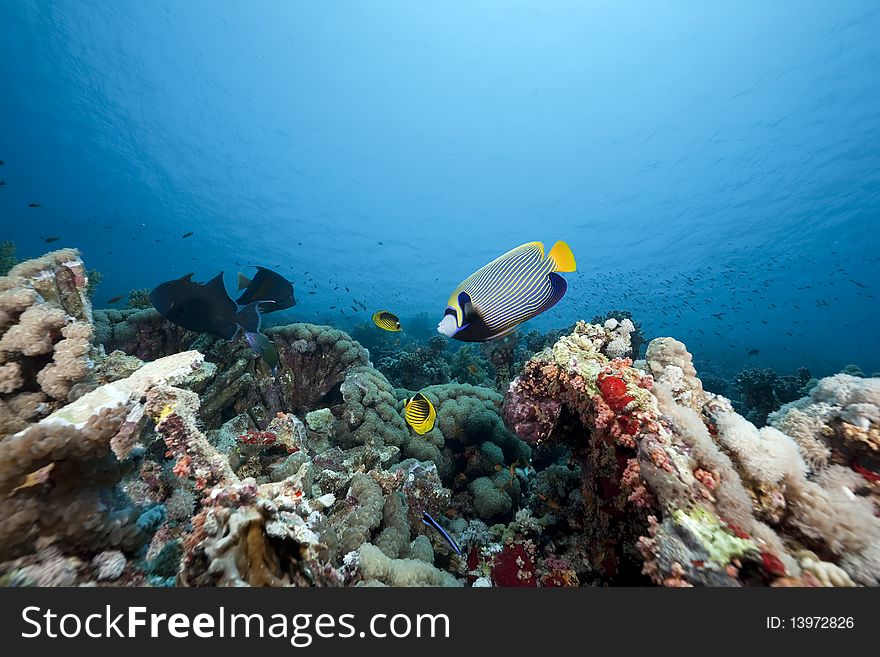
<point>7,256</point>
<point>314,360</point>
<point>637,335</point>
<point>45,336</point>
<point>140,332</point>
<point>423,366</point>
<point>764,391</point>
<point>676,486</point>
<point>136,453</point>
<point>139,299</point>
<point>55,474</point>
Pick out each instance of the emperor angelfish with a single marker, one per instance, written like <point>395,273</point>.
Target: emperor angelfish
<point>386,321</point>
<point>419,413</point>
<point>510,290</point>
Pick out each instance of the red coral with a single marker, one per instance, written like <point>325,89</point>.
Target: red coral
<point>261,438</point>
<point>736,531</point>
<point>869,475</point>
<point>513,566</point>
<point>183,467</point>
<point>772,564</point>
<point>614,391</point>
<point>628,426</point>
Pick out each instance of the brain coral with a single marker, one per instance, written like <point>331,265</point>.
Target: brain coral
<point>314,361</point>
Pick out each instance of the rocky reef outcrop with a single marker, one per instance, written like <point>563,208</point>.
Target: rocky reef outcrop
<point>136,453</point>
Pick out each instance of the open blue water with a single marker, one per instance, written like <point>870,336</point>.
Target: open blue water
<point>714,166</point>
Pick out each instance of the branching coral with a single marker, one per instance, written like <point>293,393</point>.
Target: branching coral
<point>139,298</point>
<point>423,366</point>
<point>764,391</point>
<point>7,256</point>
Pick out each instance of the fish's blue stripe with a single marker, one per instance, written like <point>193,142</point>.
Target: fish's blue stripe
<point>428,520</point>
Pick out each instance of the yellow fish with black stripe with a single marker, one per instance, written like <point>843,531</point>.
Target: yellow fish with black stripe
<point>386,321</point>
<point>419,413</point>
<point>510,290</point>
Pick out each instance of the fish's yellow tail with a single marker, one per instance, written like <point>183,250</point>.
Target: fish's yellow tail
<point>562,257</point>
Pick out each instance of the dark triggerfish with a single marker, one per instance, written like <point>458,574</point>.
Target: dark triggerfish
<point>266,285</point>
<point>205,308</point>
<point>511,289</point>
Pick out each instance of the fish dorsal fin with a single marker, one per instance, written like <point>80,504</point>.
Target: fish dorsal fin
<point>243,281</point>
<point>188,277</point>
<point>216,283</point>
<point>562,257</point>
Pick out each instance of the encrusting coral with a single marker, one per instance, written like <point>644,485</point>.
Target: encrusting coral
<point>54,473</point>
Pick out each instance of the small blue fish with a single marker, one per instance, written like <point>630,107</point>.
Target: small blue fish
<point>265,347</point>
<point>428,520</point>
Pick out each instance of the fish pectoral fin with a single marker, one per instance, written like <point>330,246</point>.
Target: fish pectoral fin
<point>467,308</point>
<point>559,287</point>
<point>562,257</point>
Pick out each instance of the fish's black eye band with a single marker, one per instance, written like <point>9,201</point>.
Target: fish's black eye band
<point>449,311</point>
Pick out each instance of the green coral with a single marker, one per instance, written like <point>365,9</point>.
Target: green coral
<point>490,501</point>
<point>167,562</point>
<point>7,256</point>
<point>94,277</point>
<point>719,544</point>
<point>466,415</point>
<point>369,415</point>
<point>469,366</point>
<point>139,298</point>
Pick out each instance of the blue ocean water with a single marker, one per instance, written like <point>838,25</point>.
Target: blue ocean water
<point>715,168</point>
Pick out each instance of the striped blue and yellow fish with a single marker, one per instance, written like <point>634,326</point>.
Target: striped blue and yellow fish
<point>419,413</point>
<point>386,321</point>
<point>510,290</point>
